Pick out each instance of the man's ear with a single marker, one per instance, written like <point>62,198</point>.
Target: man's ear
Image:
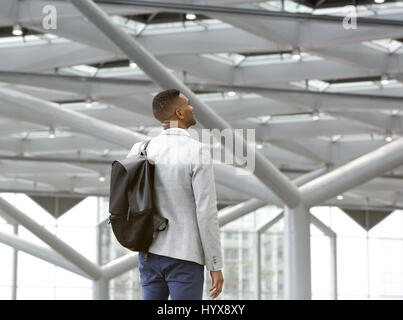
<point>179,113</point>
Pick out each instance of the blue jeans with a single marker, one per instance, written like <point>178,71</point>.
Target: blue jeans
<point>161,276</point>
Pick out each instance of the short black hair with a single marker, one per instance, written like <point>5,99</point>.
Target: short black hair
<point>162,102</point>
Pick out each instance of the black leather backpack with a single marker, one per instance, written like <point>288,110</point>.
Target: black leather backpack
<point>133,216</point>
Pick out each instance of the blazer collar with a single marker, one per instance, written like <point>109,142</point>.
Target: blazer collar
<point>176,131</point>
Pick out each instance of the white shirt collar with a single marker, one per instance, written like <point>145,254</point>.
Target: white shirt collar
<point>179,131</point>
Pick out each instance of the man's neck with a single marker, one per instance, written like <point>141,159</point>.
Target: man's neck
<point>175,124</point>
<point>176,128</point>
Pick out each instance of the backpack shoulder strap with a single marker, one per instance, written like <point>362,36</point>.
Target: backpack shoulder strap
<point>144,145</point>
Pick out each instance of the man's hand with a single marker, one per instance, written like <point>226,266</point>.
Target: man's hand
<point>217,280</point>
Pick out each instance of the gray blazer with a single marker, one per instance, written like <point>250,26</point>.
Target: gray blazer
<point>185,194</point>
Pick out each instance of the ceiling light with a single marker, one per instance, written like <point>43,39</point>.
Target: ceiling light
<point>17,30</point>
<point>231,93</point>
<point>379,1</point>
<point>102,178</point>
<point>51,133</point>
<point>259,146</point>
<point>132,64</point>
<point>190,16</point>
<point>315,116</point>
<point>388,138</point>
<point>296,54</point>
<point>88,103</point>
<point>385,80</point>
<point>340,197</point>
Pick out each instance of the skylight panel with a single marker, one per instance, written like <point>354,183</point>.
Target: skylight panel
<point>385,45</point>
<point>366,85</point>
<point>85,69</point>
<point>301,117</point>
<point>318,85</point>
<point>287,5</point>
<point>32,39</point>
<point>277,59</point>
<point>40,134</point>
<point>131,26</point>
<point>358,137</point>
<point>364,10</point>
<point>221,96</point>
<point>355,85</point>
<point>79,106</point>
<point>218,58</point>
<point>312,85</point>
<point>185,26</point>
<point>19,39</point>
<point>120,72</point>
<point>298,84</point>
<point>341,11</point>
<point>291,118</point>
<point>231,59</point>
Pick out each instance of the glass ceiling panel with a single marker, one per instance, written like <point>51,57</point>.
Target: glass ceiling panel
<point>15,41</point>
<point>230,59</point>
<point>357,137</point>
<point>385,45</point>
<point>312,85</point>
<point>220,96</point>
<point>364,10</point>
<point>131,26</point>
<point>95,105</point>
<point>289,6</point>
<point>85,70</point>
<point>375,85</point>
<point>277,59</point>
<point>40,134</point>
<point>302,117</point>
<point>235,59</point>
<point>183,26</point>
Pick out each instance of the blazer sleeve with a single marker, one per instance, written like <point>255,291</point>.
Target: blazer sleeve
<point>204,191</point>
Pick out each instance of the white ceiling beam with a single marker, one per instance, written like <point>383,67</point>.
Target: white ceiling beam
<point>353,173</point>
<point>58,144</point>
<point>45,56</point>
<point>335,101</point>
<point>393,123</point>
<point>40,252</point>
<point>364,57</point>
<point>309,128</point>
<point>297,148</point>
<point>74,120</point>
<point>67,252</point>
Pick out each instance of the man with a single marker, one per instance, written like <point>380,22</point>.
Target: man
<point>185,195</point>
